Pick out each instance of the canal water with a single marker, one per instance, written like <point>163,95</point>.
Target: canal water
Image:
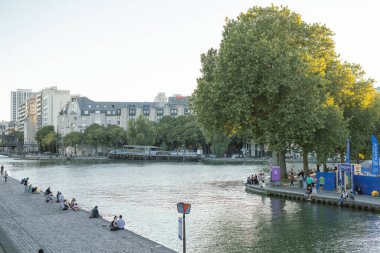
<point>223,218</point>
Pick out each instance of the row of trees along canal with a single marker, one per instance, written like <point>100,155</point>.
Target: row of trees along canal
<point>278,80</point>
<point>181,133</point>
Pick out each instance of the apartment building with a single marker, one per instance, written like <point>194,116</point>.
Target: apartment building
<point>50,102</point>
<point>17,98</point>
<point>81,112</point>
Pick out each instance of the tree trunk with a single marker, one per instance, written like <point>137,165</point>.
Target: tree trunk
<point>342,156</point>
<point>305,161</point>
<point>275,157</point>
<point>324,167</point>
<point>282,163</point>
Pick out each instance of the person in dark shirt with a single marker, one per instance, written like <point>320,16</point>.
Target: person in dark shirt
<point>95,213</point>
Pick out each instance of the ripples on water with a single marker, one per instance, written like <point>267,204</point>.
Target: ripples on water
<point>223,218</point>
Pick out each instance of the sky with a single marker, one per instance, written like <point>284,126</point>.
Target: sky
<point>129,50</point>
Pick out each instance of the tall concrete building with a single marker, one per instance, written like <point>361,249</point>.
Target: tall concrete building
<point>50,101</point>
<point>17,98</point>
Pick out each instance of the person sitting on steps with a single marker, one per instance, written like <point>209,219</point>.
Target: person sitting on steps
<point>95,213</point>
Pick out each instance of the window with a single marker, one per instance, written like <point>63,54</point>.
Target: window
<point>118,122</point>
<point>132,112</point>
<point>97,106</point>
<point>97,112</point>
<point>146,112</point>
<point>89,106</point>
<point>132,116</point>
<point>159,117</point>
<point>85,112</point>
<point>187,111</point>
<point>160,112</point>
<point>108,112</point>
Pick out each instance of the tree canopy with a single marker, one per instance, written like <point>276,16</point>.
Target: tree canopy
<point>278,80</point>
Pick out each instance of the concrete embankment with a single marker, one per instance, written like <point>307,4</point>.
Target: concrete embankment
<point>28,223</point>
<point>361,202</point>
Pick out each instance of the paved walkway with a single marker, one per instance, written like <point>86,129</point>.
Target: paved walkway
<point>28,223</point>
<point>332,195</point>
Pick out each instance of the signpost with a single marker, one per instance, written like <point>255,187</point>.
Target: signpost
<point>183,208</point>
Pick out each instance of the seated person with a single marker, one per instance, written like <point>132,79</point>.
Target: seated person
<point>358,190</point>
<point>71,204</point>
<point>49,198</point>
<point>255,180</point>
<point>120,223</point>
<point>48,191</point>
<point>113,224</point>
<point>75,207</point>
<point>64,205</point>
<point>36,190</point>
<point>95,213</point>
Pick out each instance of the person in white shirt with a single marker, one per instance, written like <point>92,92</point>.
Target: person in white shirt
<point>120,223</point>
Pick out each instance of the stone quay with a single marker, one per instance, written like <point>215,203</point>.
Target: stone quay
<point>28,223</point>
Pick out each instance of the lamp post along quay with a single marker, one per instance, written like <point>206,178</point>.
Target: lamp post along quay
<point>183,208</point>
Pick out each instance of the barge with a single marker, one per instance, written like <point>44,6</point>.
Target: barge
<point>152,153</point>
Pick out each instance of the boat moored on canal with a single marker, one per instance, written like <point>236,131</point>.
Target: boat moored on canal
<point>136,152</point>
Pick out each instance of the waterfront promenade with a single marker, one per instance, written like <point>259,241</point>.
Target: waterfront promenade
<point>362,202</point>
<point>28,223</point>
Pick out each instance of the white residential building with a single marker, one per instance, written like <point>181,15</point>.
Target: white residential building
<point>50,101</point>
<point>81,112</point>
<point>17,98</point>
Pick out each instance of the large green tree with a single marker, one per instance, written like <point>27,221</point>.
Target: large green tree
<point>140,131</point>
<point>73,139</point>
<point>41,134</point>
<point>116,136</point>
<point>95,135</point>
<point>266,78</point>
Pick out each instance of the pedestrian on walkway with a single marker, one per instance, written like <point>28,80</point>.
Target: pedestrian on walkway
<point>2,169</point>
<point>321,183</point>
<point>291,179</point>
<point>6,176</point>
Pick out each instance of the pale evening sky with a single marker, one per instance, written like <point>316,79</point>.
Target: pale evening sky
<point>129,50</point>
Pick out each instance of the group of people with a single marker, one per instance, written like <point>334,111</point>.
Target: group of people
<point>28,188</point>
<point>256,179</point>
<point>117,223</point>
<point>4,173</point>
<point>64,203</point>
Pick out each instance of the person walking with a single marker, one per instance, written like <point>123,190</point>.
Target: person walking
<point>2,169</point>
<point>291,179</point>
<point>5,176</point>
<point>321,183</point>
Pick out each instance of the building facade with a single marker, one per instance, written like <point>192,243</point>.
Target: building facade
<point>17,98</point>
<point>49,103</point>
<point>81,112</point>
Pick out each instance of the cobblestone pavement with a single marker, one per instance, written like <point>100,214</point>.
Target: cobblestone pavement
<point>28,223</point>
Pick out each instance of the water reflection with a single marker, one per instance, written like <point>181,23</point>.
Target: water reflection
<point>224,218</point>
